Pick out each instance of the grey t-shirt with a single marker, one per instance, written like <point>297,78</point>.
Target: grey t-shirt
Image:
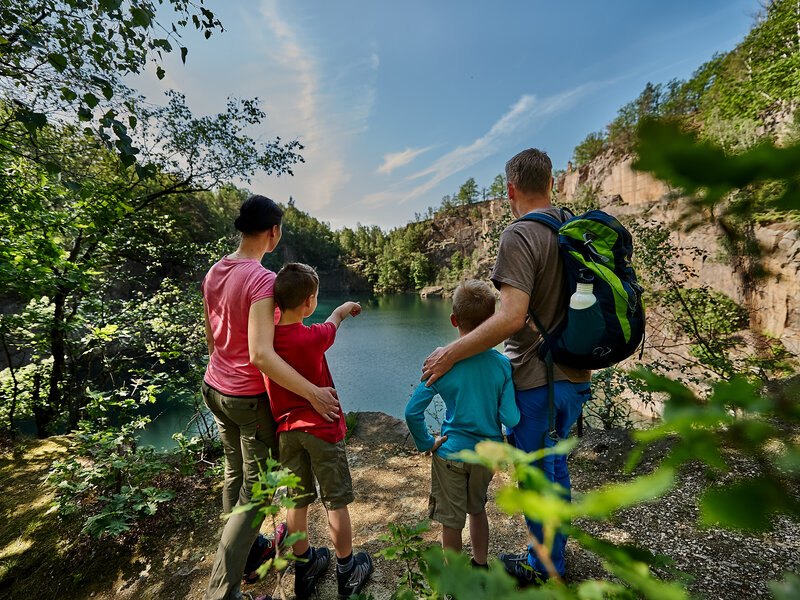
<point>528,260</point>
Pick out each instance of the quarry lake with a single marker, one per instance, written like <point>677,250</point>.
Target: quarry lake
<point>376,361</point>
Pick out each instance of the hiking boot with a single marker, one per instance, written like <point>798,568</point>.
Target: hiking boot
<point>351,582</point>
<point>518,567</point>
<point>262,550</point>
<point>307,573</point>
<point>477,565</point>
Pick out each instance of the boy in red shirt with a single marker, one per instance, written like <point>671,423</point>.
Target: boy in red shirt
<point>309,446</point>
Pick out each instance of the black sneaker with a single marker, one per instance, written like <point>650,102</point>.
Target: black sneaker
<point>518,567</point>
<point>307,573</point>
<point>351,582</point>
<point>262,550</point>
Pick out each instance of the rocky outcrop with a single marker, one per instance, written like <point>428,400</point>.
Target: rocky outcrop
<point>466,231</point>
<point>612,179</point>
<point>431,291</point>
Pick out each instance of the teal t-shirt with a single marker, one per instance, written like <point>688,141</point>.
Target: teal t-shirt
<point>478,394</point>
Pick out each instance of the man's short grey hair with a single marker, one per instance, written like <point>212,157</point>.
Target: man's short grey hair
<point>530,171</point>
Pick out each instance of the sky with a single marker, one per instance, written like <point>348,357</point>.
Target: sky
<point>399,103</point>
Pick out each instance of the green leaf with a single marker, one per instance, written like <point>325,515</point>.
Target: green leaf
<point>294,537</point>
<point>52,168</point>
<point>451,574</point>
<point>788,589</point>
<point>140,17</point>
<point>605,500</point>
<point>68,94</point>
<point>90,99</point>
<point>109,5</point>
<point>160,73</point>
<point>747,505</point>
<point>127,159</point>
<point>184,51</point>
<point>790,461</point>
<point>57,61</point>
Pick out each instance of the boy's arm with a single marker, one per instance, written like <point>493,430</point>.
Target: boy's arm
<point>508,319</point>
<point>340,313</point>
<point>415,417</point>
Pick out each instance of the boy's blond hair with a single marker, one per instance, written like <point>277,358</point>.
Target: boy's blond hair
<point>473,303</point>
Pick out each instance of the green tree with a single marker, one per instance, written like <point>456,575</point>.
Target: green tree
<point>70,55</point>
<point>498,187</point>
<point>591,147</point>
<point>467,193</point>
<point>69,236</point>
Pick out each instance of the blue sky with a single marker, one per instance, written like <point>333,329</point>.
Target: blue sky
<point>398,103</point>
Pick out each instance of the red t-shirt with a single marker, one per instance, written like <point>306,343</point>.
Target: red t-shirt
<point>304,348</point>
<point>229,288</point>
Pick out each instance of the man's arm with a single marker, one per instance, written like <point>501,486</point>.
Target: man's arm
<point>341,312</point>
<point>510,318</point>
<point>260,336</point>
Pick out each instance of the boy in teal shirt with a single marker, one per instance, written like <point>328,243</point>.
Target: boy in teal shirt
<point>479,396</point>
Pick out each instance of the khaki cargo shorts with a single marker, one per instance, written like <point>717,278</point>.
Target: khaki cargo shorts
<point>457,489</point>
<point>309,457</point>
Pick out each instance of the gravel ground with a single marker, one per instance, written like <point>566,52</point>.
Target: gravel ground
<point>391,482</point>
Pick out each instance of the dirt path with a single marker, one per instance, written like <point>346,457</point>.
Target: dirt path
<point>172,554</point>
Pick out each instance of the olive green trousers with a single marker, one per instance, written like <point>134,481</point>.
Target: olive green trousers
<point>247,430</point>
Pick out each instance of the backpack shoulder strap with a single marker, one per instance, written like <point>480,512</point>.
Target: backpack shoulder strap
<point>542,218</point>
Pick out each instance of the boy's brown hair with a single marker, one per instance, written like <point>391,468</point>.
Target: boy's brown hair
<point>473,303</point>
<point>295,282</point>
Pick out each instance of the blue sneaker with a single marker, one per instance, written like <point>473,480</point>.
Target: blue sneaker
<point>308,572</point>
<point>352,581</point>
<point>518,567</point>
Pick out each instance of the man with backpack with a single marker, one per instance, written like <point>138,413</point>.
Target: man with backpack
<point>529,272</point>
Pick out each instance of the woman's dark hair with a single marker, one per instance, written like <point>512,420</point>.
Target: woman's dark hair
<point>257,214</point>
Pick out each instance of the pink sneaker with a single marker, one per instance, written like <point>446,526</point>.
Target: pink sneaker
<point>263,549</point>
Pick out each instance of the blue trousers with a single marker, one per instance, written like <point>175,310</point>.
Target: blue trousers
<point>529,435</point>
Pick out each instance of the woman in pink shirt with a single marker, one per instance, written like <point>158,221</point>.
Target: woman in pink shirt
<point>240,327</point>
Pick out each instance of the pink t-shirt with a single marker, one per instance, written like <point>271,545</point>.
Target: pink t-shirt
<point>229,288</point>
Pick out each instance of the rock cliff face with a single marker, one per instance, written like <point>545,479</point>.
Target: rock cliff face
<point>466,231</point>
<point>611,177</point>
<point>773,301</point>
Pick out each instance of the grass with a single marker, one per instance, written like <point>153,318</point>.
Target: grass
<point>351,422</point>
<point>44,556</point>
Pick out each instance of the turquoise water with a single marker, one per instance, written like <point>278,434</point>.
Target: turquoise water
<point>376,361</point>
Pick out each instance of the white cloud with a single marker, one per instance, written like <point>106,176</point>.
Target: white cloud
<point>324,106</point>
<point>395,160</point>
<point>525,115</point>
